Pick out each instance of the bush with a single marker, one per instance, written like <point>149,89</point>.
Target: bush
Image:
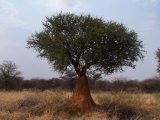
<point>42,84</point>
<point>150,85</point>
<point>117,84</point>
<point>101,85</point>
<point>121,111</point>
<point>11,84</point>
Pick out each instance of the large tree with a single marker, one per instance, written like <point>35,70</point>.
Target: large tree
<point>158,57</point>
<point>85,42</point>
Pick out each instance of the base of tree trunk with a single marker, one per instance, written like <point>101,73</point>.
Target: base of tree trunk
<point>81,102</point>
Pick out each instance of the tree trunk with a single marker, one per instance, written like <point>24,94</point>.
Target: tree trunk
<point>81,100</point>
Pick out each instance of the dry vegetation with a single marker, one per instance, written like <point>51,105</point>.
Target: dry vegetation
<point>38,105</point>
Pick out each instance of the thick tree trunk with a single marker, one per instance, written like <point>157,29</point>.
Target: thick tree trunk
<point>81,100</point>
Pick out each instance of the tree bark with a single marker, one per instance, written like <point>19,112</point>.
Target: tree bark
<point>81,100</point>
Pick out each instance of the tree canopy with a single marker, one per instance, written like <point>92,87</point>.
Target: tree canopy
<point>8,70</point>
<point>86,42</point>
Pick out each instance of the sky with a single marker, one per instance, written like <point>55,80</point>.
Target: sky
<point>20,18</point>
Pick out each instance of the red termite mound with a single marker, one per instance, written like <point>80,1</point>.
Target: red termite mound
<point>81,101</point>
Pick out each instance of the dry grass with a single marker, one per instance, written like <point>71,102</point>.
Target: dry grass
<point>14,95</point>
<point>36,105</point>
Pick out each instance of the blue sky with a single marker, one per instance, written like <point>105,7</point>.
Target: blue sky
<point>20,18</point>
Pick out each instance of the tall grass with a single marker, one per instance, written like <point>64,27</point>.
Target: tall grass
<point>42,105</point>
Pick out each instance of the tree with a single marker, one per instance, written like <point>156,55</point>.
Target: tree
<point>71,78</point>
<point>84,42</point>
<point>93,77</point>
<point>8,73</point>
<point>158,57</point>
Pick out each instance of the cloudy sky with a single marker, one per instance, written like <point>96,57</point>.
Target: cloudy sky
<point>20,18</point>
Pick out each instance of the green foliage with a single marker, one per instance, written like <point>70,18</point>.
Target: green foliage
<point>158,57</point>
<point>83,41</point>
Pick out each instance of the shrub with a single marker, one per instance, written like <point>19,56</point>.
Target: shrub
<point>150,85</point>
<point>120,110</point>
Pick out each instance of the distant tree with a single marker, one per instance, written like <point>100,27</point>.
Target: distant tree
<point>8,72</point>
<point>93,76</point>
<point>84,42</point>
<point>69,74</point>
<point>158,57</point>
<point>71,77</point>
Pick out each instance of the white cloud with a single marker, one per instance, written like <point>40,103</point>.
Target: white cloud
<point>61,5</point>
<point>9,18</point>
<point>9,15</point>
<point>154,1</point>
<point>147,2</point>
<point>134,0</point>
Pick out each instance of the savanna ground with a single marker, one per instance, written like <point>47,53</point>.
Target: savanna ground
<point>43,105</point>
